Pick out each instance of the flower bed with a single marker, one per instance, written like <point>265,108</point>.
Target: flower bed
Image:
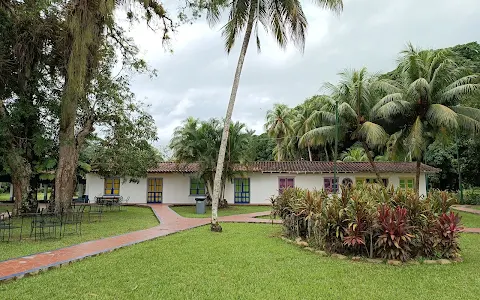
<point>372,222</point>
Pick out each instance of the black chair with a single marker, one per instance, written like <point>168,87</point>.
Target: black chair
<point>73,218</point>
<point>7,226</point>
<point>95,211</point>
<point>45,223</point>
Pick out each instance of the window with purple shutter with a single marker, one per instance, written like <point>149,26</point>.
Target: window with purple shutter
<point>330,185</point>
<point>284,183</point>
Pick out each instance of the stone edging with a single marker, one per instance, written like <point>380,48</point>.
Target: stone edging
<point>391,262</point>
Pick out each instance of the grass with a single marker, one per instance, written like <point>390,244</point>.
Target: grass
<point>113,223</point>
<point>246,261</point>
<point>5,207</point>
<point>189,211</point>
<point>470,220</point>
<point>6,196</point>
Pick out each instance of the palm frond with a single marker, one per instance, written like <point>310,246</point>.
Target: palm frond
<point>458,91</point>
<point>372,134</point>
<point>442,116</point>
<point>318,136</point>
<point>416,140</point>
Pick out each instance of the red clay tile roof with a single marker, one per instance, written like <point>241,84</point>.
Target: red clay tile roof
<point>303,167</point>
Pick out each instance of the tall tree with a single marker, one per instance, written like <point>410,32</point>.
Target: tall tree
<point>431,87</point>
<point>279,126</point>
<point>27,75</point>
<point>287,21</point>
<point>88,25</point>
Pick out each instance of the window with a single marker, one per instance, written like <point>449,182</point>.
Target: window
<point>197,187</point>
<point>330,185</point>
<point>370,180</point>
<point>242,190</point>
<point>407,183</point>
<point>112,186</point>
<point>284,183</point>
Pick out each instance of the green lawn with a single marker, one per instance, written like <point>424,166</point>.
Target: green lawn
<point>189,211</point>
<point>6,196</point>
<point>113,223</point>
<point>5,207</point>
<point>246,261</point>
<point>470,220</point>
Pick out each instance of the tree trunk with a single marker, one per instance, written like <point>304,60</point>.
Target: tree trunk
<point>279,150</point>
<point>86,29</point>
<point>309,153</point>
<point>374,167</point>
<point>326,152</point>
<point>417,177</point>
<point>21,173</point>
<point>226,127</point>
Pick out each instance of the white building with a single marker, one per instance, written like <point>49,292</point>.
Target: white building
<point>178,184</point>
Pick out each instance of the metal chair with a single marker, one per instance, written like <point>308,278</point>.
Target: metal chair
<point>43,221</point>
<point>7,225</point>
<point>95,211</point>
<point>73,218</point>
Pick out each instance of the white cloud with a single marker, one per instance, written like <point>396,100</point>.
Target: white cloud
<point>196,79</point>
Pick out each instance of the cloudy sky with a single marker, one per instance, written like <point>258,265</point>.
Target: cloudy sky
<point>195,80</point>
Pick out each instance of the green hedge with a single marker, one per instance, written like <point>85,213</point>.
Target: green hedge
<point>471,196</point>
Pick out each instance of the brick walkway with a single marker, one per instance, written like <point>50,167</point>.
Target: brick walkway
<point>170,222</point>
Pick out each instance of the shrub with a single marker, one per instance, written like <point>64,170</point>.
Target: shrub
<point>371,220</point>
<point>395,238</point>
<point>471,197</point>
<point>448,229</point>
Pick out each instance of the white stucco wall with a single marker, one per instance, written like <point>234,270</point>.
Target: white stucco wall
<point>176,187</point>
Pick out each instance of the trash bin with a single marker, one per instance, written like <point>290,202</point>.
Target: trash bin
<point>200,205</point>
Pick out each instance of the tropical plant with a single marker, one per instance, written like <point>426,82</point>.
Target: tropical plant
<point>356,96</point>
<point>395,238</point>
<point>354,154</point>
<point>429,91</point>
<point>279,127</point>
<point>287,22</point>
<point>198,141</point>
<point>448,229</point>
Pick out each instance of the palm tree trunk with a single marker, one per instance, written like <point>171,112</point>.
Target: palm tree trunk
<point>226,127</point>
<point>374,167</point>
<point>326,152</point>
<point>279,150</point>
<point>417,177</point>
<point>309,153</point>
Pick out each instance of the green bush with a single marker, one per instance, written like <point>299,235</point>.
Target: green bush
<point>471,197</point>
<point>372,221</point>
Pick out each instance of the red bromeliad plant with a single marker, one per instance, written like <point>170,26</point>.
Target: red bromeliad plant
<point>448,229</point>
<point>395,238</point>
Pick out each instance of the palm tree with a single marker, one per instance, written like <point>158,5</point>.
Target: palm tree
<point>430,88</point>
<point>301,126</point>
<point>356,96</point>
<point>287,22</point>
<point>198,142</point>
<point>354,154</point>
<point>278,127</point>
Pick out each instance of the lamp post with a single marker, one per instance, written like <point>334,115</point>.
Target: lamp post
<point>460,186</point>
<point>336,148</point>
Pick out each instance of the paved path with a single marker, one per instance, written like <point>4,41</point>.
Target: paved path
<point>170,222</point>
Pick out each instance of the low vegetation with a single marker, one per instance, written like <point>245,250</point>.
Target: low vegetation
<point>112,223</point>
<point>372,221</point>
<point>251,262</point>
